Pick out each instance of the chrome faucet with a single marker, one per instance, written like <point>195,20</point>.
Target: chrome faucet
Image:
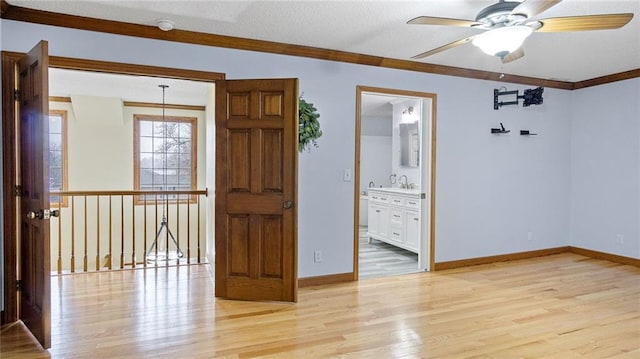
<point>405,184</point>
<point>371,184</point>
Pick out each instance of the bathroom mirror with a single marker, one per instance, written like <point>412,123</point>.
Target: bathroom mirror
<point>409,145</point>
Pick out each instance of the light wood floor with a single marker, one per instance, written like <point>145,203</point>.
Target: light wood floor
<point>561,306</point>
<point>379,259</point>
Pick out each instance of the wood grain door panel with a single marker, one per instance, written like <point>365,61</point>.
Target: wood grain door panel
<point>256,172</point>
<point>273,148</point>
<point>33,169</point>
<point>239,160</point>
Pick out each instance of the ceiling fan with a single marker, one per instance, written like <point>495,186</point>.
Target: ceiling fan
<point>508,23</point>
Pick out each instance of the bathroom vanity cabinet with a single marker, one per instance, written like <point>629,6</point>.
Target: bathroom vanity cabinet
<point>394,217</point>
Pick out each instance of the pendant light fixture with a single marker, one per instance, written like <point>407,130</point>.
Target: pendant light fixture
<point>159,250</point>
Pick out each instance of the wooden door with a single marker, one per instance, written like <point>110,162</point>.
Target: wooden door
<point>256,189</point>
<point>33,172</point>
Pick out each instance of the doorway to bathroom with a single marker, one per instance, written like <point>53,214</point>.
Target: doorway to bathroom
<point>394,182</point>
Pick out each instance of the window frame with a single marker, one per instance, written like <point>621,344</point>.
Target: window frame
<point>65,159</point>
<point>193,121</point>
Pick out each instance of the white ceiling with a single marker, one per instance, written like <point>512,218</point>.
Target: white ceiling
<point>379,28</point>
<point>66,83</point>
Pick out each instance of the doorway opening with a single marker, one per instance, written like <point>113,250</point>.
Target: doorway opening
<point>230,131</point>
<point>111,135</point>
<point>11,258</point>
<point>394,182</point>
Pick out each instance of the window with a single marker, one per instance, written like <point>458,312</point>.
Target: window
<point>57,156</point>
<point>164,154</point>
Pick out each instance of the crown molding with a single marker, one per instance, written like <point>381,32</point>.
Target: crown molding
<point>17,13</point>
<point>3,7</point>
<point>168,106</point>
<point>59,99</point>
<point>631,74</point>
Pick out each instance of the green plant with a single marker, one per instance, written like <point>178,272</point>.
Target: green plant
<point>308,125</point>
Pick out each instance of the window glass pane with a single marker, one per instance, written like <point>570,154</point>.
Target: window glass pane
<point>185,130</point>
<point>172,145</point>
<point>164,158</point>
<point>172,129</point>
<point>55,159</point>
<point>158,129</point>
<point>146,160</point>
<point>185,160</point>
<point>173,160</point>
<point>55,179</point>
<point>55,124</point>
<point>146,177</point>
<point>158,161</point>
<point>185,177</point>
<point>146,144</point>
<point>56,154</point>
<point>55,142</point>
<point>185,144</point>
<point>145,128</point>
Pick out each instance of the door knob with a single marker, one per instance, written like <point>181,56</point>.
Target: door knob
<point>34,214</point>
<point>288,204</point>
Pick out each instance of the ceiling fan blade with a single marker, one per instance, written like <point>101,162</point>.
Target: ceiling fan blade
<point>513,56</point>
<point>444,47</point>
<point>532,8</point>
<point>430,20</point>
<point>585,23</point>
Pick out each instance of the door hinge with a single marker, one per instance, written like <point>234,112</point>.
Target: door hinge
<point>17,95</point>
<point>18,191</point>
<point>19,285</point>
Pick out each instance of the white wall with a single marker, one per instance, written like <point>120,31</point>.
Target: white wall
<point>605,168</point>
<point>375,161</point>
<point>491,190</point>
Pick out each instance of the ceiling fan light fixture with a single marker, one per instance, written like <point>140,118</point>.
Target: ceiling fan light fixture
<point>501,41</point>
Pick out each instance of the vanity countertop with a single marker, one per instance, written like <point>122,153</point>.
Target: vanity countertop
<point>396,190</point>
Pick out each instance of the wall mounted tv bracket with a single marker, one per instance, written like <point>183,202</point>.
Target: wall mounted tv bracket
<point>530,97</point>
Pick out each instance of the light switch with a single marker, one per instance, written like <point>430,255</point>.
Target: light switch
<point>346,176</point>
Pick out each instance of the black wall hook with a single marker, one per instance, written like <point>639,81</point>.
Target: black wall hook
<point>500,130</point>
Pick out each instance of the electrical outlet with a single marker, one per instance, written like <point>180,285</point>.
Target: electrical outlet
<point>317,256</point>
<point>619,239</point>
<point>529,236</point>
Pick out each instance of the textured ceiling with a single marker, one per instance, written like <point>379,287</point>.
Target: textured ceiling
<point>379,28</point>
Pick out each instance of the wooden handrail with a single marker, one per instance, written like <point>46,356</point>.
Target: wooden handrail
<point>204,192</point>
<point>129,229</point>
